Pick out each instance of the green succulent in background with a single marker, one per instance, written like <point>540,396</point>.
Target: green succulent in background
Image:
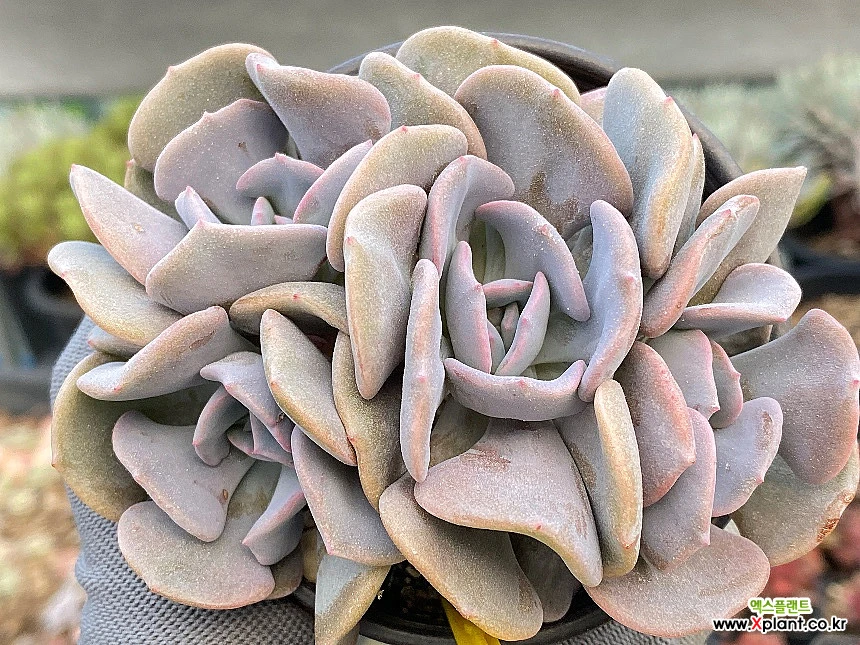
<point>37,206</point>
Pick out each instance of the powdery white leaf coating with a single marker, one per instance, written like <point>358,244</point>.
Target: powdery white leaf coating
<point>305,303</point>
<point>213,153</point>
<point>689,357</point>
<point>787,531</point>
<point>550,577</point>
<point>777,190</point>
<point>219,263</point>
<point>532,244</point>
<point>445,56</point>
<point>602,441</point>
<point>263,213</point>
<point>466,312</point>
<point>115,301</point>
<point>170,362</point>
<point>136,234</point>
<point>381,238</point>
<point>326,114</point>
<point>531,329</point>
<point>349,525</point>
<point>317,204</point>
<point>101,341</point>
<point>493,486</point>
<point>695,263</point>
<point>162,460</point>
<point>192,209</point>
<point>753,295</point>
<point>653,140</point>
<point>344,592</point>
<point>745,451</point>
<point>414,101</point>
<point>508,325</point>
<point>226,573</point>
<point>694,200</point>
<point>497,346</point>
<point>475,570</point>
<point>501,293</point>
<point>244,378</point>
<point>423,371</point>
<point>592,103</point>
<point>205,83</point>
<point>814,373</point>
<point>466,183</point>
<point>300,379</point>
<point>277,532</point>
<point>558,157</point>
<point>661,420</point>
<point>515,397</point>
<point>282,179</point>
<point>408,155</point>
<point>716,581</point>
<point>613,286</point>
<point>730,396</point>
<point>217,417</point>
<point>257,441</point>
<point>372,425</point>
<point>678,524</point>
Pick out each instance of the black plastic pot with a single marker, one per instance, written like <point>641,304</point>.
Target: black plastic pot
<point>818,273</point>
<point>589,71</point>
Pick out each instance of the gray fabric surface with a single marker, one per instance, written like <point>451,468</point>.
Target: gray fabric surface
<point>120,608</point>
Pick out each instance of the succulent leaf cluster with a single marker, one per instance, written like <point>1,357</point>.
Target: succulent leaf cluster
<point>452,312</point>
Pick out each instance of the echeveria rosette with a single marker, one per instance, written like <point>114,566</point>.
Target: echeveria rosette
<point>472,320</point>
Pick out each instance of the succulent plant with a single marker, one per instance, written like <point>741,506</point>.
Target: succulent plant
<point>369,302</point>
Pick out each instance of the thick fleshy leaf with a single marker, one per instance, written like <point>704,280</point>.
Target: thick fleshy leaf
<point>751,296</point>
<point>423,372</point>
<point>171,362</point>
<point>244,378</point>
<point>318,202</point>
<point>445,56</point>
<point>516,397</point>
<point>678,524</point>
<point>729,393</point>
<point>257,441</point>
<point>465,184</point>
<point>493,486</point>
<point>716,581</point>
<point>213,153</point>
<point>497,346</point>
<point>689,356</point>
<point>550,577</point>
<point>193,209</point>
<point>344,592</point>
<point>694,200</point>
<point>786,531</point>
<point>695,263</point>
<point>217,417</point>
<point>81,430</point>
<point>101,341</point>
<point>523,229</point>
<point>531,329</point>
<point>281,179</point>
<point>162,460</point>
<point>300,379</point>
<point>287,574</point>
<point>381,237</point>
<point>501,293</point>
<point>414,101</point>
<point>508,325</point>
<point>349,525</point>
<point>372,426</point>
<point>136,234</point>
<point>602,442</point>
<point>592,103</point>
<point>457,428</point>
<point>661,420</point>
<point>305,303</point>
<point>226,574</point>
<point>140,183</point>
<point>110,296</point>
<point>558,157</point>
<point>814,373</point>
<point>205,83</point>
<point>777,190</point>
<point>278,530</point>
<point>409,155</point>
<point>613,286</point>
<point>326,114</point>
<point>745,450</point>
<point>466,312</point>
<point>654,142</point>
<point>475,570</point>
<point>263,213</point>
<point>219,263</point>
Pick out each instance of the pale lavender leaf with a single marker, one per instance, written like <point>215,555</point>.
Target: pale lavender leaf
<point>305,303</point>
<point>508,326</point>
<point>101,341</point>
<point>466,312</point>
<point>244,378</point>
<point>531,329</point>
<point>217,417</point>
<point>501,293</point>
<point>278,530</point>
<point>263,213</point>
<point>550,577</point>
<point>592,103</point>
<point>694,200</point>
<point>281,179</point>
<point>140,182</point>
<point>729,393</point>
<point>689,356</point>
<point>497,346</point>
<point>257,441</point>
<point>192,209</point>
